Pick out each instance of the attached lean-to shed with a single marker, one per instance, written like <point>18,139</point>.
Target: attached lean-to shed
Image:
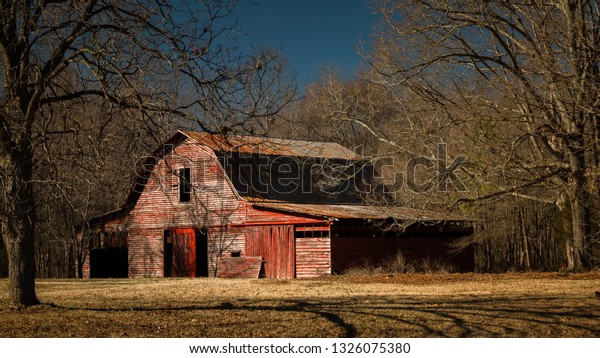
<point>239,206</point>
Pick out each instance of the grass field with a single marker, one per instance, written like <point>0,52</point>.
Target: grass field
<point>419,305</point>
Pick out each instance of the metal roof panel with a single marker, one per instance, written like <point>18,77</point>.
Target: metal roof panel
<point>359,211</point>
<point>272,146</point>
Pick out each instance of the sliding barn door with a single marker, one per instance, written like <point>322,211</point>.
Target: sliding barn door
<point>275,244</point>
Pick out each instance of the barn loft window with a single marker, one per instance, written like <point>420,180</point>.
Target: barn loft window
<point>185,186</point>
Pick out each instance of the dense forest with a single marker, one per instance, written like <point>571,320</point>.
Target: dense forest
<point>485,109</point>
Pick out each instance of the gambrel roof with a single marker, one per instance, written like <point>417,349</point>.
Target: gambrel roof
<point>319,179</point>
<point>290,171</point>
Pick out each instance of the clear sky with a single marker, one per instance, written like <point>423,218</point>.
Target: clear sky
<point>311,34</point>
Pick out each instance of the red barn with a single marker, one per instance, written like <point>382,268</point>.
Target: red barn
<point>238,206</point>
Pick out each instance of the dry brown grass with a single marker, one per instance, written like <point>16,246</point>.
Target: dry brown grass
<point>419,305</point>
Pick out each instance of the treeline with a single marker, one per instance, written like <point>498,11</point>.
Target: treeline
<point>488,110</point>
<point>519,230</point>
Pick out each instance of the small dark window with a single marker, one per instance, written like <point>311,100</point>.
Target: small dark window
<point>236,253</point>
<point>185,186</point>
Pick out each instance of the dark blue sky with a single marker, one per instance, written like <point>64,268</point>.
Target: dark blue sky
<point>311,34</point>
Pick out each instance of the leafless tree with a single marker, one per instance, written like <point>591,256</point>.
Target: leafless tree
<point>522,80</point>
<point>155,57</point>
<point>405,138</point>
<point>82,173</point>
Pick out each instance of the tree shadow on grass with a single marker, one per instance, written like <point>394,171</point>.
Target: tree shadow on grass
<point>424,317</point>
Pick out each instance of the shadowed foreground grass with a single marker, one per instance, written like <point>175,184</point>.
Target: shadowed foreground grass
<point>467,305</point>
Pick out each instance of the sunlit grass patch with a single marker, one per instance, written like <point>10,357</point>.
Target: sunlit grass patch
<point>416,305</point>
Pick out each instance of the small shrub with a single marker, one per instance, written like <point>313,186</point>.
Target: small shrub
<point>434,266</point>
<point>400,264</point>
<point>364,268</point>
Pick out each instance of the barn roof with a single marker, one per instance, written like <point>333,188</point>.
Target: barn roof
<point>340,183</point>
<point>288,170</point>
<point>262,152</point>
<point>340,211</point>
<point>299,180</point>
<point>272,146</point>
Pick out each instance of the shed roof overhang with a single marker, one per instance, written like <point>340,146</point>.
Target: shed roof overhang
<point>365,212</point>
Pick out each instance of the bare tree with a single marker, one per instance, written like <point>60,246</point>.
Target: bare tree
<point>522,80</point>
<point>349,112</point>
<point>408,140</point>
<point>82,173</point>
<point>154,56</point>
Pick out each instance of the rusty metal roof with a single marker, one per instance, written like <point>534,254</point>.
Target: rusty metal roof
<point>359,211</point>
<point>348,204</point>
<point>272,146</point>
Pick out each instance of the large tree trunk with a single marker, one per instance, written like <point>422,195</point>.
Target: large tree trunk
<point>576,246</point>
<point>18,224</point>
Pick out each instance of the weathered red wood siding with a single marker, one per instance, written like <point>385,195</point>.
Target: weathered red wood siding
<point>239,267</point>
<point>309,256</point>
<point>222,242</point>
<point>146,252</point>
<point>215,207</point>
<point>259,215</point>
<point>313,250</point>
<point>213,201</point>
<point>313,257</point>
<point>213,204</point>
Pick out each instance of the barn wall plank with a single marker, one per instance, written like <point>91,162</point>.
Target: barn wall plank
<point>313,257</point>
<point>146,257</point>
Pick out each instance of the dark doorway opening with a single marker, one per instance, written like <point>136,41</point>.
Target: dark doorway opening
<point>109,263</point>
<point>185,253</point>
<point>202,253</point>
